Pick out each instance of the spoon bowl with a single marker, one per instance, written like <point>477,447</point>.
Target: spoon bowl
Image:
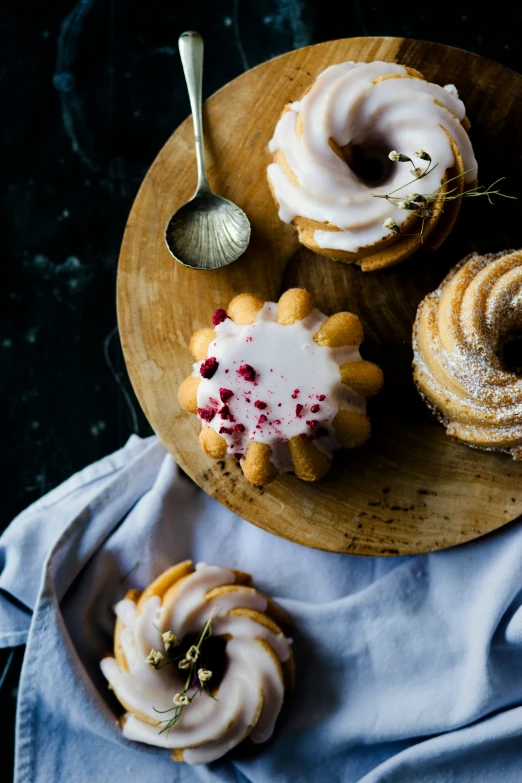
<point>209,231</point>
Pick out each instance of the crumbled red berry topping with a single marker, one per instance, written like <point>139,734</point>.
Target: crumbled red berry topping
<point>260,405</point>
<point>321,397</point>
<point>209,367</point>
<point>315,408</point>
<point>295,394</point>
<point>298,410</point>
<point>219,316</point>
<point>262,419</point>
<point>239,428</point>
<point>225,394</point>
<point>225,413</point>
<point>313,423</point>
<point>207,414</point>
<point>247,372</point>
<point>226,430</point>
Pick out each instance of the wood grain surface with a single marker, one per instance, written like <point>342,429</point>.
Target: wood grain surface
<point>411,488</point>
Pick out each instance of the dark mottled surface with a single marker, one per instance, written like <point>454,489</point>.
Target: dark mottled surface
<point>89,93</point>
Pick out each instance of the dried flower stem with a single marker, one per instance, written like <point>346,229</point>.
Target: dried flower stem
<point>189,663</point>
<point>423,205</point>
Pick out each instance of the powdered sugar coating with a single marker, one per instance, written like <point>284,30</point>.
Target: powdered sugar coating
<point>291,375</point>
<point>458,337</point>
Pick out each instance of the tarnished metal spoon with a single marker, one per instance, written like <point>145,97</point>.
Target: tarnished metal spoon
<point>208,231</point>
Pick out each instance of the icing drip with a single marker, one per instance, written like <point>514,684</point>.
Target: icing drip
<point>251,690</point>
<point>295,381</point>
<point>347,105</point>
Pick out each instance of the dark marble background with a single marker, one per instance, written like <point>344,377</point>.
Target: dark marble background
<point>89,92</point>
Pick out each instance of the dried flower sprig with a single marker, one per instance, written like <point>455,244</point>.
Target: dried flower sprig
<point>195,679</point>
<point>423,205</point>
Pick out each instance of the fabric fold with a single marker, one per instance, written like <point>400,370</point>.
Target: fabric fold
<point>408,669</point>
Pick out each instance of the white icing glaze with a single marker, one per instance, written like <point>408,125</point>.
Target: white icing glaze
<point>250,693</point>
<point>394,114</point>
<point>291,369</point>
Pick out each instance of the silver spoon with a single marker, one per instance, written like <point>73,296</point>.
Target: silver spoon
<point>208,231</point>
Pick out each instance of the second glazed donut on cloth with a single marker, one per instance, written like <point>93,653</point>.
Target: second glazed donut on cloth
<point>460,331</point>
<point>150,631</point>
<point>357,111</point>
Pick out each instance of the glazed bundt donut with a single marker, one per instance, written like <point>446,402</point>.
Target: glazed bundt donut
<point>157,647</point>
<point>459,335</point>
<point>280,386</point>
<point>331,165</point>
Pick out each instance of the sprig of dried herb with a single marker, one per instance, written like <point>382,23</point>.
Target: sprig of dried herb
<point>197,677</point>
<point>423,205</point>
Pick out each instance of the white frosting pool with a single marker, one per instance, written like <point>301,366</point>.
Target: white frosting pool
<point>296,388</point>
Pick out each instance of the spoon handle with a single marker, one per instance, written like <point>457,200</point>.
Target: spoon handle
<point>191,51</point>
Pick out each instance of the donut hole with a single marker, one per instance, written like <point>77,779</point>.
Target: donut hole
<point>212,656</point>
<point>369,162</point>
<point>510,354</point>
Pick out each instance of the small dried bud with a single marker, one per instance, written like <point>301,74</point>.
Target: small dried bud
<point>422,155</point>
<point>398,156</point>
<point>390,224</point>
<point>180,700</point>
<point>169,640</point>
<point>417,172</point>
<point>403,205</point>
<point>154,658</point>
<point>204,675</point>
<point>184,664</point>
<point>192,654</point>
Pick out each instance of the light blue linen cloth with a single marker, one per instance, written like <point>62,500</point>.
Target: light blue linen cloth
<point>408,669</point>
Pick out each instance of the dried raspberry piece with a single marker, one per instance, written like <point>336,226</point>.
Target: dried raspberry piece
<point>321,397</point>
<point>219,316</point>
<point>225,413</point>
<point>262,419</point>
<point>247,372</point>
<point>239,428</point>
<point>315,408</point>
<point>313,423</point>
<point>226,430</point>
<point>209,367</point>
<point>260,405</point>
<point>207,414</point>
<point>298,410</point>
<point>225,394</point>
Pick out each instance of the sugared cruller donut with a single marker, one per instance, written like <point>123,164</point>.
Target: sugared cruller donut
<point>150,629</point>
<point>331,162</point>
<point>459,336</point>
<point>280,386</point>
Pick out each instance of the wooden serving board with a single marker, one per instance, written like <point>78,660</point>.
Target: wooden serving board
<point>411,488</point>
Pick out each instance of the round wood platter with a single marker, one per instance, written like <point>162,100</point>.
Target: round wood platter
<point>411,488</point>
